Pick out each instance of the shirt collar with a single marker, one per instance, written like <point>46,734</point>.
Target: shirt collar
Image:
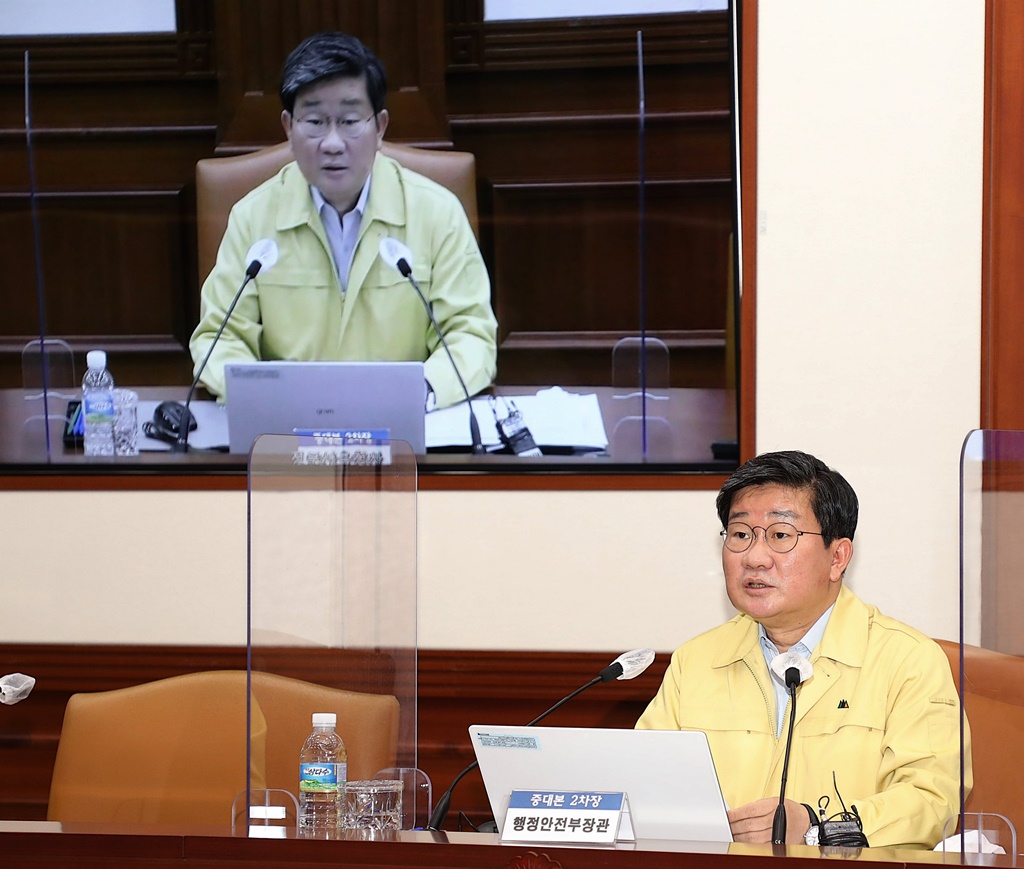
<point>360,207</point>
<point>807,642</point>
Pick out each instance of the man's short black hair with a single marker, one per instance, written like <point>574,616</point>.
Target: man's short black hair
<point>330,55</point>
<point>832,498</point>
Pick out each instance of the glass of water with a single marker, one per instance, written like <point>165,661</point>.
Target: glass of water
<point>126,422</point>
<point>373,805</point>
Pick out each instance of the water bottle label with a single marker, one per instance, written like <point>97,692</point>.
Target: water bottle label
<point>98,406</point>
<point>322,777</point>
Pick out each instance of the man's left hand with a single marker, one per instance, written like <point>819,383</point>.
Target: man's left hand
<point>753,822</point>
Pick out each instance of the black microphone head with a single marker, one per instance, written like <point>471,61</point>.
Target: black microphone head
<point>792,678</point>
<point>169,418</point>
<point>612,671</point>
<point>403,266</point>
<point>253,269</point>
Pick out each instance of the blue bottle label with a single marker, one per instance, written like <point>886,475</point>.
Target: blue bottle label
<point>321,777</point>
<point>98,406</point>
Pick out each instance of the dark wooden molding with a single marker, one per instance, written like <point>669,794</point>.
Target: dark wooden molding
<point>131,58</point>
<point>1002,272</point>
<point>747,163</point>
<point>559,43</point>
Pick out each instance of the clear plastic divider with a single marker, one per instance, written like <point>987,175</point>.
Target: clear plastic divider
<point>48,383</point>
<point>641,378</point>
<point>990,669</point>
<point>332,599</point>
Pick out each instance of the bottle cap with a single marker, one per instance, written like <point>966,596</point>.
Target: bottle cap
<point>96,358</point>
<point>322,719</point>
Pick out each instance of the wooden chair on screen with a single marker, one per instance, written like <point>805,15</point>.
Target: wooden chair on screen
<point>222,181</point>
<point>173,751</point>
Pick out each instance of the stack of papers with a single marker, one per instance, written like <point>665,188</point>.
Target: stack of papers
<point>556,418</point>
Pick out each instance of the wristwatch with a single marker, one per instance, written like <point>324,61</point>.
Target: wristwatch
<point>811,836</point>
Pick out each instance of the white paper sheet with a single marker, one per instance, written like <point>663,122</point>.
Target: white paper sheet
<point>556,418</point>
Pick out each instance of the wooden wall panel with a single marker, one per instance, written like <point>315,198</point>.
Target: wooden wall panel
<point>556,281</point>
<point>254,38</point>
<point>114,270</point>
<point>456,689</point>
<point>550,109</point>
<point>118,123</point>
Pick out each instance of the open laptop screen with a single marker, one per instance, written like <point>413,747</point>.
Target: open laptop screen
<point>290,397</point>
<point>668,776</point>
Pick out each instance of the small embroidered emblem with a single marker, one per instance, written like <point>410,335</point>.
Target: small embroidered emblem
<point>843,705</point>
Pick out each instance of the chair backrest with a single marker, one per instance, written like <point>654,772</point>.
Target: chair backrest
<point>994,700</point>
<point>368,724</point>
<point>222,181</point>
<point>171,751</point>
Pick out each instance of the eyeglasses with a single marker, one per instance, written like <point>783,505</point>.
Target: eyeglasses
<point>316,127</point>
<point>780,537</point>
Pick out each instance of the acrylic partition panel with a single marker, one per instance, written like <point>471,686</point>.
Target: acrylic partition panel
<point>49,382</point>
<point>332,602</point>
<point>990,670</point>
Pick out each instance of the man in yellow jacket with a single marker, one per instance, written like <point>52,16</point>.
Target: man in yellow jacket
<point>330,296</point>
<point>877,724</point>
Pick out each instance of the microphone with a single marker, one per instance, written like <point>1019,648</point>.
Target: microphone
<point>628,665</point>
<point>172,421</point>
<point>15,687</point>
<point>793,670</point>
<point>399,257</point>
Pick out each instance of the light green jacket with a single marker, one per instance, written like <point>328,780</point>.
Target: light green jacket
<point>881,712</point>
<point>296,309</point>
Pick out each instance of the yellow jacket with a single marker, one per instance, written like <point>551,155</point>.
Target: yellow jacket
<point>296,309</point>
<point>881,712</point>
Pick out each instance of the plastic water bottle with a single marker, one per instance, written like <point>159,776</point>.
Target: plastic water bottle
<point>323,771</point>
<point>98,405</point>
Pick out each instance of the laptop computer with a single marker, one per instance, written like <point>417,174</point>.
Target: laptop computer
<point>668,776</point>
<point>290,397</point>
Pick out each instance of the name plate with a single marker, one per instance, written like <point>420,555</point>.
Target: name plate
<point>581,817</point>
<point>343,447</point>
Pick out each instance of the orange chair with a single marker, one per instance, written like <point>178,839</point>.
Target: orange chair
<point>167,752</point>
<point>994,700</point>
<point>222,181</point>
<point>173,751</point>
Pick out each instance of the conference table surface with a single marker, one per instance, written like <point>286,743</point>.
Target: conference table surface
<point>695,418</point>
<point>32,843</point>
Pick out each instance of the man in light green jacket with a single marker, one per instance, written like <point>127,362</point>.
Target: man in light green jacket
<point>877,723</point>
<point>330,296</point>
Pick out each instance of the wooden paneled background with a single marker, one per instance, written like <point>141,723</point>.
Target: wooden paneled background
<point>550,109</point>
<point>456,689</point>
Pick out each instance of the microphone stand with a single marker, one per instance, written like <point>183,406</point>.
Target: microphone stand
<point>779,821</point>
<point>474,427</point>
<point>180,445</point>
<point>612,671</point>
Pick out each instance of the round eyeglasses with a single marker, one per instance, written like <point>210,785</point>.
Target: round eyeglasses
<point>780,537</point>
<point>317,126</point>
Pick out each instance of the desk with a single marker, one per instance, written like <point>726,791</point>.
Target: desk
<point>25,843</point>
<point>697,417</point>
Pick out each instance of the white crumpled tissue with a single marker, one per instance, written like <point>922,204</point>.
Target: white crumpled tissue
<point>15,687</point>
<point>975,842</point>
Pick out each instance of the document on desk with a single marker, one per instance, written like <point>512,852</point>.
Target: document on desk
<point>556,418</point>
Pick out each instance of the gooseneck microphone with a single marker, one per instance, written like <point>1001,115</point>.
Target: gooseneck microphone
<point>793,669</point>
<point>399,257</point>
<point>628,665</point>
<point>172,421</point>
